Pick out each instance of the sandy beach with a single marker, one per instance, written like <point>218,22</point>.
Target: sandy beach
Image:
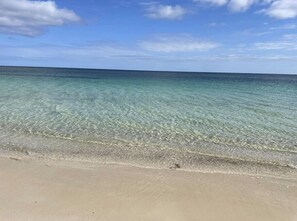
<point>126,110</point>
<point>69,191</point>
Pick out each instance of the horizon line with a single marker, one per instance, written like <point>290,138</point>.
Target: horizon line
<point>142,70</point>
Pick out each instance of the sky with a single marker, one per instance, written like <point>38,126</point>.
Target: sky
<point>250,36</point>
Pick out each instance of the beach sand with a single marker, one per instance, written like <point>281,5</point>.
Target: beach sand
<point>71,191</point>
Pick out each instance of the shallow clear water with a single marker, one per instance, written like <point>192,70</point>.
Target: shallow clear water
<point>151,115</point>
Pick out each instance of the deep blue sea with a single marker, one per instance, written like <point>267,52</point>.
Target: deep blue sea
<point>199,120</point>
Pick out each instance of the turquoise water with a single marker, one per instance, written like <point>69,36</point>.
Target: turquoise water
<point>150,118</point>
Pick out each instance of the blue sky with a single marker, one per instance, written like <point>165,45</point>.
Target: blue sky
<point>189,35</point>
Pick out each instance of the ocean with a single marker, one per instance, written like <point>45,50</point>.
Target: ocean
<point>200,121</point>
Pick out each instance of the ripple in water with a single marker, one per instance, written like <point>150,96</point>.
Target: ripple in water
<point>155,117</point>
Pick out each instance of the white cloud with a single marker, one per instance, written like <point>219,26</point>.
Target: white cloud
<point>277,45</point>
<point>288,43</point>
<point>285,27</point>
<point>214,2</point>
<point>240,5</point>
<point>290,36</point>
<point>92,52</point>
<point>280,9</point>
<point>180,43</point>
<point>26,17</point>
<point>234,5</point>
<point>216,24</point>
<point>158,11</point>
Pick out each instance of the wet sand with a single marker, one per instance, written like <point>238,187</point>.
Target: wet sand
<point>71,191</point>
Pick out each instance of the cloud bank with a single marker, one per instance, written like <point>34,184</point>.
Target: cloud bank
<point>288,42</point>
<point>179,43</point>
<point>30,18</point>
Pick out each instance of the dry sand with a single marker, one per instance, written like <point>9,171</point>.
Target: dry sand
<point>38,190</point>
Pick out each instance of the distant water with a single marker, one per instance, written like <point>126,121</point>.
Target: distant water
<point>199,120</point>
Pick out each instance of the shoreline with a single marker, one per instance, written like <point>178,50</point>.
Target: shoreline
<point>39,189</point>
<point>157,159</point>
<point>175,167</point>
